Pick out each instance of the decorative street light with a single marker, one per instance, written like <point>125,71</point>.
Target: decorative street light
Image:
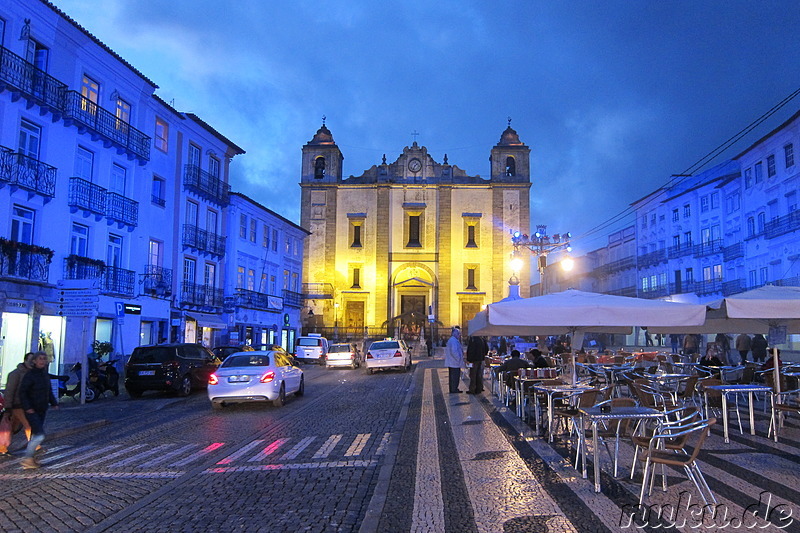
<point>541,244</point>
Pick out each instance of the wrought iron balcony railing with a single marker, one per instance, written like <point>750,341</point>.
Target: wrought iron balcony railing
<point>732,287</point>
<point>257,300</point>
<point>703,287</point>
<point>156,281</point>
<point>25,265</point>
<point>206,185</point>
<point>201,295</point>
<point>78,267</point>
<point>652,258</point>
<point>292,298</point>
<point>35,84</point>
<point>86,196</point>
<point>624,291</point>
<point>105,123</point>
<point>25,172</point>
<point>317,291</point>
<point>782,225</point>
<point>734,251</point>
<point>681,250</point>
<point>118,281</point>
<point>708,248</point>
<point>202,240</point>
<point>121,209</point>
<point>656,292</point>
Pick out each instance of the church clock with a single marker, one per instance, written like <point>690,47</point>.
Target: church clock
<point>415,165</point>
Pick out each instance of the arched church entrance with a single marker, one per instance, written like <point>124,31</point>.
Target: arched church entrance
<point>413,294</point>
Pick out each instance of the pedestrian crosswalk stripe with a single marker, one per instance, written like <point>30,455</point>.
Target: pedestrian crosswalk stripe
<point>384,443</point>
<point>240,452</point>
<point>358,444</point>
<point>103,457</point>
<point>326,449</point>
<point>298,448</point>
<point>50,459</point>
<point>167,456</point>
<point>138,456</point>
<point>77,457</point>
<point>351,463</point>
<point>16,461</point>
<point>188,459</point>
<point>267,451</point>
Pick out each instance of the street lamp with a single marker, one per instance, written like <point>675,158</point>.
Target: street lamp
<point>541,244</point>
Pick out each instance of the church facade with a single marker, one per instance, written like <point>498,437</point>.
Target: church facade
<point>408,241</point>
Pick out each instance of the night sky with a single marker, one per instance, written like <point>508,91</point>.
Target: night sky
<point>612,97</point>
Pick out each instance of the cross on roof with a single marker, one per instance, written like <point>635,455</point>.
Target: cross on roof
<point>414,134</point>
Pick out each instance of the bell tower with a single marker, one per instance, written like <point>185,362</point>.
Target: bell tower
<point>322,159</point>
<point>510,159</point>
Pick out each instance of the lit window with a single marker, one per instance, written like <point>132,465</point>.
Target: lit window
<point>162,135</point>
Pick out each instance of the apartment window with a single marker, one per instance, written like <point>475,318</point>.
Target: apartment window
<point>157,193</point>
<point>155,253</point>
<point>22,224</point>
<point>689,273</point>
<point>663,279</point>
<point>265,237</point>
<point>286,280</point>
<point>240,277</point>
<point>471,278</point>
<point>652,219</point>
<point>79,240</point>
<point>714,200</point>
<point>356,278</point>
<point>687,238</point>
<point>114,250</point>
<point>118,177</point>
<point>791,201</point>
<point>213,166</point>
<point>788,155</point>
<point>644,221</point>
<point>90,90</point>
<point>29,139</point>
<point>253,230</point>
<point>748,178</point>
<point>211,221</point>
<point>194,155</point>
<point>295,282</point>
<point>751,278</point>
<point>762,276</point>
<point>675,215</point>
<point>734,202</point>
<point>189,268</point>
<point>288,249</point>
<point>645,284</point>
<point>770,166</point>
<point>654,281</point>
<point>676,241</point>
<point>161,135</point>
<point>210,275</point>
<point>37,55</point>
<point>251,279</point>
<point>661,217</point>
<point>717,272</point>
<point>191,213</point>
<point>274,240</point>
<point>715,233</point>
<point>273,285</point>
<point>687,211</point>
<point>751,226</point>
<point>762,221</point>
<point>243,226</point>
<point>707,273</point>
<point>705,236</point>
<point>84,164</point>
<point>759,172</point>
<point>704,204</point>
<point>262,286</point>
<point>122,111</point>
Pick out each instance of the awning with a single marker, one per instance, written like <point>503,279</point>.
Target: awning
<point>206,320</point>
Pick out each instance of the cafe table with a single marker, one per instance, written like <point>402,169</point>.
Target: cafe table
<point>735,388</point>
<point>668,383</point>
<point>551,390</point>
<point>596,415</point>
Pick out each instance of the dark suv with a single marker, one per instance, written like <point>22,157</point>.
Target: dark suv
<point>178,367</point>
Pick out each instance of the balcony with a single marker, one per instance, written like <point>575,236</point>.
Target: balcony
<point>625,291</point>
<point>317,291</point>
<point>257,300</point>
<point>732,287</point>
<point>25,80</point>
<point>206,185</point>
<point>118,281</point>
<point>652,258</point>
<point>616,266</point>
<point>24,172</point>
<point>782,225</point>
<point>122,210</point>
<point>704,287</point>
<point>292,299</point>
<point>202,240</point>
<point>156,281</point>
<point>24,261</point>
<point>655,292</point>
<point>79,267</point>
<point>105,124</point>
<point>196,295</point>
<point>87,197</point>
<point>708,248</point>
<point>734,251</point>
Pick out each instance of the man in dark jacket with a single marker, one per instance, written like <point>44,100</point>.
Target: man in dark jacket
<point>476,353</point>
<point>35,395</point>
<point>13,404</point>
<point>511,366</point>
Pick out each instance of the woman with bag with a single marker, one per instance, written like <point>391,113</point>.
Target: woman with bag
<point>14,413</point>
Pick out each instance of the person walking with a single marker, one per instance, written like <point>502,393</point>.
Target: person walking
<point>36,395</point>
<point>725,346</point>
<point>759,348</point>
<point>690,344</point>
<point>476,353</point>
<point>14,406</point>
<point>429,345</point>
<point>742,345</point>
<point>454,359</point>
<point>675,340</point>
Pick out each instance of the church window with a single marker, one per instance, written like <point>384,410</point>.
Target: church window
<point>511,166</point>
<point>413,231</point>
<point>319,168</point>
<point>471,279</point>
<point>471,237</point>
<point>356,237</point>
<point>356,278</point>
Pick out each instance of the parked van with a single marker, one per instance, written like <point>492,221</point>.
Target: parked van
<point>312,348</point>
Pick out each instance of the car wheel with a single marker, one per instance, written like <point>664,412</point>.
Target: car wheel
<point>281,399</point>
<point>217,406</point>
<point>134,393</point>
<point>185,387</point>
<point>302,388</point>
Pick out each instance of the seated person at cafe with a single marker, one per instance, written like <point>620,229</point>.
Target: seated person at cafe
<point>559,348</point>
<point>711,358</point>
<point>770,364</point>
<point>538,358</point>
<point>512,364</point>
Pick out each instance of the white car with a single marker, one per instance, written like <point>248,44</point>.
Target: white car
<point>343,355</point>
<point>388,353</point>
<point>259,376</point>
<point>311,348</point>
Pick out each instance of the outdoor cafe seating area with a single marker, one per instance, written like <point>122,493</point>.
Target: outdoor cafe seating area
<point>645,417</point>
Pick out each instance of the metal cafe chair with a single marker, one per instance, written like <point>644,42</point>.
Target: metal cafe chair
<point>694,433</point>
<point>680,417</point>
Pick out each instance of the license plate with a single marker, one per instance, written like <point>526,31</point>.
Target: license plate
<point>238,379</point>
<point>147,372</point>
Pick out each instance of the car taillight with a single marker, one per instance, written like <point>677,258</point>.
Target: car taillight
<point>267,377</point>
<point>213,379</point>
<point>398,354</point>
<point>369,355</point>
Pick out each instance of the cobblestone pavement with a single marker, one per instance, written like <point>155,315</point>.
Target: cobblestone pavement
<point>387,452</point>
